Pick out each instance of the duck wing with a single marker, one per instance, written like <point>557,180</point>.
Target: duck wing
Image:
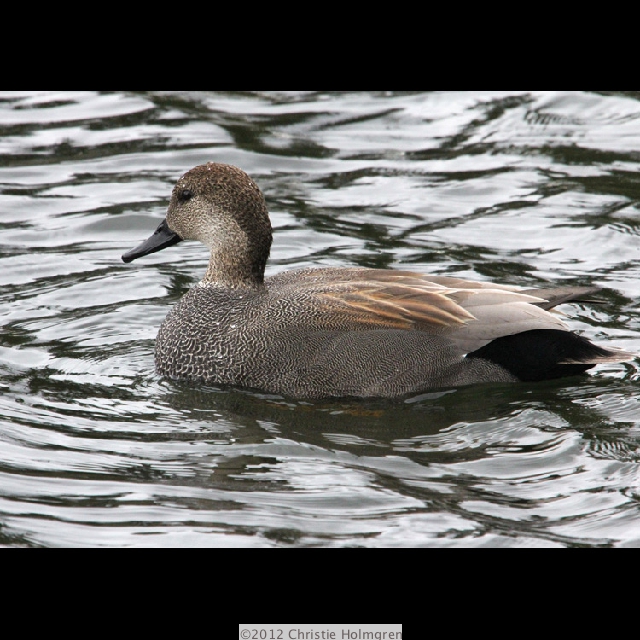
<point>379,298</point>
<point>469,314</point>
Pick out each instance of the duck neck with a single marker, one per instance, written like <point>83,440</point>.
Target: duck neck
<point>234,271</point>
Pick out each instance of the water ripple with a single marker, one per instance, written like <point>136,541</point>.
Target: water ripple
<point>524,187</point>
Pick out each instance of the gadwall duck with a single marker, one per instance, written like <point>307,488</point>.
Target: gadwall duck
<point>339,332</point>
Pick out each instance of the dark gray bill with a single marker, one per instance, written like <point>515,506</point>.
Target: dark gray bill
<point>161,239</point>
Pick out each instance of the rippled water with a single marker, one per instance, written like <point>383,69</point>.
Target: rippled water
<point>524,187</point>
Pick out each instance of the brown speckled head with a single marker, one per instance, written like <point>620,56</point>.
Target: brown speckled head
<point>222,207</point>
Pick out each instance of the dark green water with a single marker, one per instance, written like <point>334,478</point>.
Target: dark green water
<point>525,188</point>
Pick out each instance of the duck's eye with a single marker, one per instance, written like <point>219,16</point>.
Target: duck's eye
<point>185,195</point>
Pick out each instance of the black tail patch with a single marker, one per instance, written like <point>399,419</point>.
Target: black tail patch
<point>533,356</point>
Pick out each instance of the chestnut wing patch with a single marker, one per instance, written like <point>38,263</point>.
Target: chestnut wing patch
<point>397,305</point>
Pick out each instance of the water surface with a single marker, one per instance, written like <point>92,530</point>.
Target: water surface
<point>523,187</point>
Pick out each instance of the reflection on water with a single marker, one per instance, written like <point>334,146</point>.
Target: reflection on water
<point>522,187</point>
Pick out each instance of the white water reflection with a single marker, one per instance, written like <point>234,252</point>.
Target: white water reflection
<point>522,187</point>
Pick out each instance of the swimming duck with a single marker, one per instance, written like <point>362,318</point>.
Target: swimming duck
<point>343,332</point>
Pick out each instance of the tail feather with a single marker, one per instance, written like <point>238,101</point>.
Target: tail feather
<point>554,297</point>
<point>609,355</point>
<point>546,354</point>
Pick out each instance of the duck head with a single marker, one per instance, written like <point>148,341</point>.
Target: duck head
<point>222,207</point>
